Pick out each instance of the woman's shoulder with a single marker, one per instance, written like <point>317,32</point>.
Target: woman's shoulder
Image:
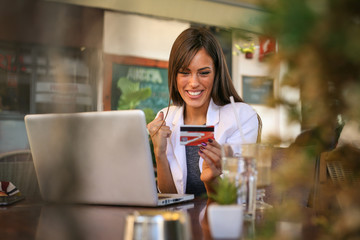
<point>241,108</point>
<point>229,122</point>
<point>170,111</point>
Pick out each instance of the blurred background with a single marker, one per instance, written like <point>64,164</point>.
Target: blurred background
<point>69,56</point>
<point>296,62</point>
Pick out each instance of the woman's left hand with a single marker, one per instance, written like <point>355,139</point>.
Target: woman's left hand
<point>211,168</point>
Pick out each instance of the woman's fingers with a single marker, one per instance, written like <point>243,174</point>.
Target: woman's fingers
<point>210,171</point>
<point>213,158</point>
<point>211,153</point>
<point>159,132</point>
<point>210,163</point>
<point>212,150</point>
<point>165,131</point>
<point>156,124</point>
<point>158,127</point>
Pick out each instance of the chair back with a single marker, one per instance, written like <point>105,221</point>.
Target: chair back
<point>258,140</point>
<point>17,167</point>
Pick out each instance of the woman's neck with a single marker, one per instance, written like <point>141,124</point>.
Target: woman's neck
<point>195,116</point>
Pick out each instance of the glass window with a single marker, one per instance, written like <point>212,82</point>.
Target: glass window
<point>14,80</point>
<point>39,79</point>
<point>42,79</point>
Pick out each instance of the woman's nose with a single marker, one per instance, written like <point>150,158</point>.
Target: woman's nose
<point>194,81</point>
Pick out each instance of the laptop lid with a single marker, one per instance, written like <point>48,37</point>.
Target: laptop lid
<point>93,157</point>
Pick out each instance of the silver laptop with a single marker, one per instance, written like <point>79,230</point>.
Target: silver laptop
<point>95,158</point>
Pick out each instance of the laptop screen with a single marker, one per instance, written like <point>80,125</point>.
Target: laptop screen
<point>93,157</point>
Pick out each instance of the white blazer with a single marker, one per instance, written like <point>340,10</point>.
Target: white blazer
<point>225,131</point>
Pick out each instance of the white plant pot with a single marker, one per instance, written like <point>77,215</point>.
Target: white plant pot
<point>225,221</point>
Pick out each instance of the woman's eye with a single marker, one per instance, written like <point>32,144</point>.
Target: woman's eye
<point>184,73</point>
<point>204,73</point>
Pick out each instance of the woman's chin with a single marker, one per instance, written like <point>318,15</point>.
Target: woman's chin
<point>196,103</point>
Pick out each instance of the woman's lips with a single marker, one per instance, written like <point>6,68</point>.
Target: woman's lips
<point>194,93</point>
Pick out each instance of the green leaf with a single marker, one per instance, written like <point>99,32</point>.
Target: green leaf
<point>131,94</point>
<point>127,86</point>
<point>149,114</point>
<point>225,192</point>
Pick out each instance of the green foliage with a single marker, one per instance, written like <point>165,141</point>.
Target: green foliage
<point>246,48</point>
<point>298,25</point>
<point>318,40</point>
<point>225,192</point>
<point>149,114</point>
<point>131,94</point>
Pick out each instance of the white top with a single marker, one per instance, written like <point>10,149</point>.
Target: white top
<point>226,131</point>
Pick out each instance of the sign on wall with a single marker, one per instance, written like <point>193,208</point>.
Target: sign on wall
<point>257,90</point>
<point>138,78</point>
<point>133,82</point>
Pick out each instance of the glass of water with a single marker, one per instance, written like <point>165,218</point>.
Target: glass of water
<point>263,166</point>
<point>239,165</point>
<point>232,164</point>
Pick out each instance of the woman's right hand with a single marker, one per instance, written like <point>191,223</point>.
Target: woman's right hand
<point>159,133</point>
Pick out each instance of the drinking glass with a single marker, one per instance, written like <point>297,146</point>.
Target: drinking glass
<point>232,165</point>
<point>238,164</point>
<point>263,166</point>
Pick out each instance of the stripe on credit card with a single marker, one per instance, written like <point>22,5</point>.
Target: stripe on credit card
<point>194,135</point>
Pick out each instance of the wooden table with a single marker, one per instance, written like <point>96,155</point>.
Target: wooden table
<point>33,219</point>
<point>37,220</point>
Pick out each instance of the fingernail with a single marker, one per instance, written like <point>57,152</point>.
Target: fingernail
<point>204,144</point>
<point>202,148</point>
<point>200,151</point>
<point>210,140</point>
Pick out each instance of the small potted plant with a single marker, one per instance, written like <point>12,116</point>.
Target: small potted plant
<point>225,216</point>
<point>247,50</point>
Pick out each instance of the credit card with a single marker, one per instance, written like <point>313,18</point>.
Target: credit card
<point>194,135</point>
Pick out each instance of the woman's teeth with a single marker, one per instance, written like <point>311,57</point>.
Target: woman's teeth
<point>194,93</point>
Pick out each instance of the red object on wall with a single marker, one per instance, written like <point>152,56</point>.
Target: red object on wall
<point>267,46</point>
<point>249,55</point>
<point>10,62</point>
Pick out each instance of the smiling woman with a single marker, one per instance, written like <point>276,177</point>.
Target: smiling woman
<point>194,84</point>
<point>200,88</point>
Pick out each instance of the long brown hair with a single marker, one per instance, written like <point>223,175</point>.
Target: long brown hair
<point>185,47</point>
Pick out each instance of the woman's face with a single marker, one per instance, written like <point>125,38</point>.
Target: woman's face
<point>195,82</point>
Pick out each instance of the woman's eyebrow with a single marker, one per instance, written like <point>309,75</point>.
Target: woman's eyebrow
<point>200,69</point>
<point>204,68</point>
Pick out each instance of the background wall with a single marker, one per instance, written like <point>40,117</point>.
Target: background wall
<point>275,122</point>
<point>140,36</point>
<point>150,37</point>
<point>139,28</point>
<point>208,12</point>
